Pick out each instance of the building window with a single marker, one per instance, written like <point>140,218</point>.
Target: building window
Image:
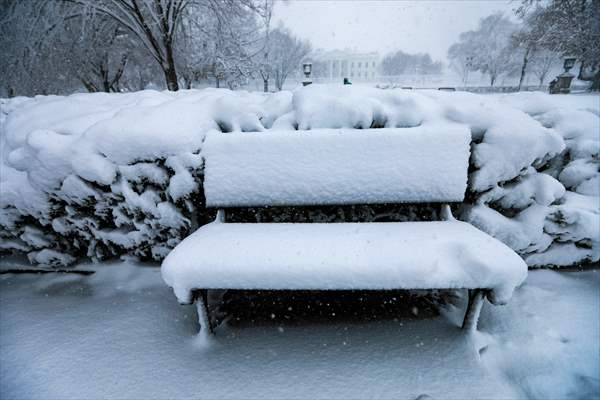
<point>359,65</point>
<point>373,64</point>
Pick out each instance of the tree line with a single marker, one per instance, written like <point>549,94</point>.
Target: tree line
<point>399,62</point>
<point>534,43</point>
<point>58,46</point>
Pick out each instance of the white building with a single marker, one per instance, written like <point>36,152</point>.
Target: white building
<point>338,64</point>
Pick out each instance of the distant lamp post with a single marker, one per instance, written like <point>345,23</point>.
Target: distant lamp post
<point>469,65</point>
<point>562,83</point>
<point>416,78</point>
<point>307,69</point>
<point>569,63</point>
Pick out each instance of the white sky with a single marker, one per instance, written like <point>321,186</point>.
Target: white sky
<point>363,25</point>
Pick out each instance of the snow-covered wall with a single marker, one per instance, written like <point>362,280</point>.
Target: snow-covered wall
<point>104,175</point>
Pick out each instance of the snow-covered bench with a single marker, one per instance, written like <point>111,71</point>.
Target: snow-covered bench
<point>319,167</point>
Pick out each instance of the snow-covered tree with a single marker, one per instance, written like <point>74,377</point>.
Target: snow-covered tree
<point>524,42</point>
<point>568,27</point>
<point>30,63</point>
<point>222,40</point>
<point>58,46</point>
<point>286,54</point>
<point>399,62</point>
<point>192,48</point>
<point>488,48</point>
<point>98,52</point>
<point>263,55</point>
<point>236,41</point>
<point>153,22</point>
<point>542,62</point>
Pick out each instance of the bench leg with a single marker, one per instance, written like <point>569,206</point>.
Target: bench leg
<point>476,298</point>
<point>202,307</point>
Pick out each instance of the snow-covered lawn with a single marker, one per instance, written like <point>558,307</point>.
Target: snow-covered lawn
<point>121,334</point>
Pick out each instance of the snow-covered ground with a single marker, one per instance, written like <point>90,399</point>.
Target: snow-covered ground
<point>121,334</point>
<point>80,181</point>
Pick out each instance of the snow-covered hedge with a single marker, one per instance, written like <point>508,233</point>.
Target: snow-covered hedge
<point>107,175</point>
<point>550,212</point>
<point>104,175</point>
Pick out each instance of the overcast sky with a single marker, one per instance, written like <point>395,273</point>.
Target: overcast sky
<point>383,26</point>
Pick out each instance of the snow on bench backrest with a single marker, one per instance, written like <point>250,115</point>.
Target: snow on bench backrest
<point>337,166</point>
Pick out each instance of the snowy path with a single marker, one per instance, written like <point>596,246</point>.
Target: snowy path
<point>74,337</point>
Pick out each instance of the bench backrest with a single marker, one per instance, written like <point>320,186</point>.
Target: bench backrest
<point>337,166</point>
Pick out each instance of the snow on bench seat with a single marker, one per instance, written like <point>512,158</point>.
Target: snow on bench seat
<point>337,166</point>
<point>408,255</point>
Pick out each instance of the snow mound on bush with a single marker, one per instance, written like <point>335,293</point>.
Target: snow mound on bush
<point>111,174</point>
<point>507,140</point>
<point>551,213</point>
<point>334,106</point>
<point>101,175</point>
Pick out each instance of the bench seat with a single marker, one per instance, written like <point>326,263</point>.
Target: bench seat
<point>424,164</point>
<point>340,256</point>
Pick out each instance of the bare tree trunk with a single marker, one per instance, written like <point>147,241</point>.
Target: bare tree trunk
<point>187,81</point>
<point>89,86</point>
<point>596,82</point>
<point>102,74</point>
<point>169,69</point>
<point>115,84</point>
<point>581,69</point>
<point>171,78</point>
<point>278,81</point>
<point>265,85</point>
<point>105,82</point>
<point>492,80</point>
<point>524,67</point>
<point>132,14</point>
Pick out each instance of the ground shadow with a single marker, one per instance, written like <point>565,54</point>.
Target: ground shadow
<point>243,308</point>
